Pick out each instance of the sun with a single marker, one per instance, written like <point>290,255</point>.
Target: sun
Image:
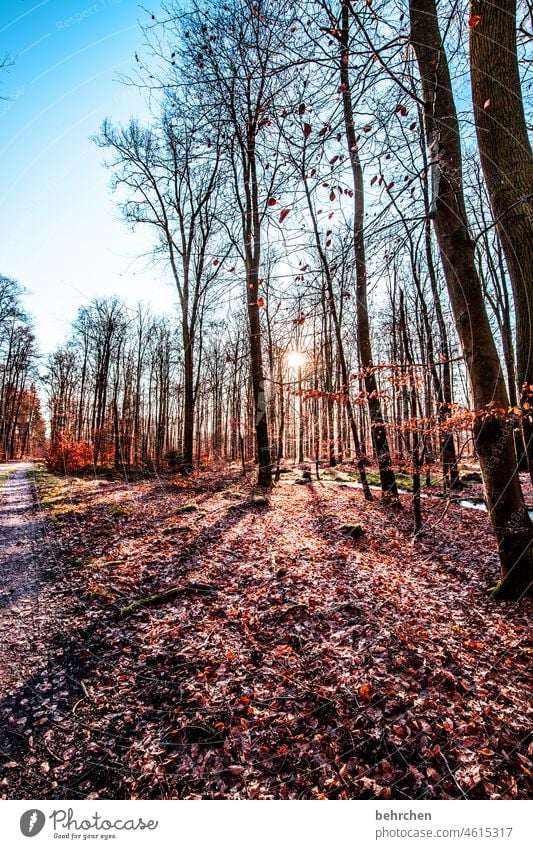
<point>295,360</point>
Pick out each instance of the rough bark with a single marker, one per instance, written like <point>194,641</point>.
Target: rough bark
<point>507,162</point>
<point>493,432</point>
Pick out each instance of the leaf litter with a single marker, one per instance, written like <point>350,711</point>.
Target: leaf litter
<point>315,665</point>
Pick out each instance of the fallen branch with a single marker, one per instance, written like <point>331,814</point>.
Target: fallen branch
<point>167,595</point>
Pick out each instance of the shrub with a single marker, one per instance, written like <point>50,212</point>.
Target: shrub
<point>68,455</point>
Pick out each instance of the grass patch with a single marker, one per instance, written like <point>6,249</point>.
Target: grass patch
<point>403,480</point>
<point>187,508</point>
<point>53,494</point>
<point>120,510</point>
<point>5,474</point>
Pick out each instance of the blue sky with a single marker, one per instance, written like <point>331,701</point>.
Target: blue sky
<point>61,235</point>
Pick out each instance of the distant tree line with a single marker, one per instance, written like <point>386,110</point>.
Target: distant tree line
<point>21,423</point>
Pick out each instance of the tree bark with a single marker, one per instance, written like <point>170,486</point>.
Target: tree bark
<point>493,431</point>
<point>507,162</point>
<point>377,424</point>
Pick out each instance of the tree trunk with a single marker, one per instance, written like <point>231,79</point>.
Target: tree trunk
<point>264,475</point>
<point>377,424</point>
<point>188,403</point>
<point>507,162</point>
<point>493,431</point>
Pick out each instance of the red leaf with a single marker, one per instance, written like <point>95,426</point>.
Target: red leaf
<point>307,130</point>
<point>367,128</point>
<point>283,214</point>
<point>332,195</point>
<point>215,262</point>
<point>272,201</point>
<point>474,20</point>
<point>373,180</point>
<point>301,109</point>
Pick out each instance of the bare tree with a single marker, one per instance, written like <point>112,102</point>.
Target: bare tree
<point>170,184</point>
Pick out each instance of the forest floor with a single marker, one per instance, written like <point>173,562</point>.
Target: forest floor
<point>289,661</point>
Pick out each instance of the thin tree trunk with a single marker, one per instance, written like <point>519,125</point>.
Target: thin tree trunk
<point>377,424</point>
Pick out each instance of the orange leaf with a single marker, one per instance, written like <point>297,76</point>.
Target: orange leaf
<point>364,692</point>
<point>260,302</point>
<point>474,20</point>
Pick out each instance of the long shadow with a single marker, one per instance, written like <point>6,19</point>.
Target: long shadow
<point>103,523</point>
<point>110,718</point>
<point>53,720</point>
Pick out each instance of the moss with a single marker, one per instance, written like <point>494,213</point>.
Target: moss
<point>260,501</point>
<point>354,531</point>
<point>508,590</point>
<point>168,595</point>
<point>99,593</point>
<point>187,508</point>
<point>120,510</point>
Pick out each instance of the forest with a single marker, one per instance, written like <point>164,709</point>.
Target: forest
<point>283,545</point>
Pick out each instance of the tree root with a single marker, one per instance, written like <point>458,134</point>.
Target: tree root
<point>168,595</point>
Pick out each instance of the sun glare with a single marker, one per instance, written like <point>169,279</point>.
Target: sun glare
<point>295,360</point>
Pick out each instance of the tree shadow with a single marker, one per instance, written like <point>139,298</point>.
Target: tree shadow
<point>59,734</point>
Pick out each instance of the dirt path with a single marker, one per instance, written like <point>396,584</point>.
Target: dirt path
<point>26,604</point>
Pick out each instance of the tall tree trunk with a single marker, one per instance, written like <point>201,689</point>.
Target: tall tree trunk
<point>377,424</point>
<point>507,162</point>
<point>450,467</point>
<point>493,431</point>
<point>341,355</point>
<point>413,401</point>
<point>252,252</point>
<point>188,401</point>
